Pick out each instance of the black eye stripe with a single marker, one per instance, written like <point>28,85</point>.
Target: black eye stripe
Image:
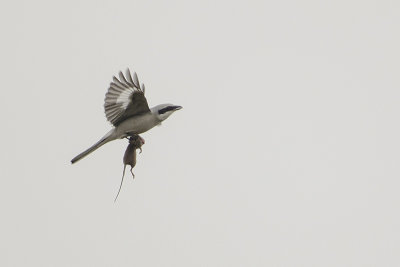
<point>163,110</point>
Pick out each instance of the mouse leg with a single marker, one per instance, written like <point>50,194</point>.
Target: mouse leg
<point>133,176</point>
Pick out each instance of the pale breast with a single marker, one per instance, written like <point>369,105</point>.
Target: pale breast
<point>137,124</point>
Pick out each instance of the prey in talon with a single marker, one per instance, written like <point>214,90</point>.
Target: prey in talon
<point>135,142</point>
<point>127,109</point>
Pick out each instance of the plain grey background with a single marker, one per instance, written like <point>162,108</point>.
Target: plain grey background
<point>286,152</point>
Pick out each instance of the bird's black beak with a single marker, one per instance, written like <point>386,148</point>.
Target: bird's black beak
<point>177,107</point>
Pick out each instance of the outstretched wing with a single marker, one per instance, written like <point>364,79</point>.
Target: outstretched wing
<point>125,98</point>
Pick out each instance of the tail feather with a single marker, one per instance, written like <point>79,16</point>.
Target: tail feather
<point>107,138</point>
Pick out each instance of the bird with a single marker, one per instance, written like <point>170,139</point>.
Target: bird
<point>126,108</point>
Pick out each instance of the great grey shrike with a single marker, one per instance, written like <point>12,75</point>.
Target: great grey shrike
<point>127,110</point>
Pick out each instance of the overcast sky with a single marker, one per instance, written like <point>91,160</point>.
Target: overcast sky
<point>286,152</point>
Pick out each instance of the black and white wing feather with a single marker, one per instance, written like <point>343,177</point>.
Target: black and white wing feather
<point>125,98</point>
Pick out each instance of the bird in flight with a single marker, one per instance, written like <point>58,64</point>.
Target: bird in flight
<point>127,110</point>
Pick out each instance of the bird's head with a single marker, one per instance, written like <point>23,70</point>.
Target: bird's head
<point>163,111</point>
